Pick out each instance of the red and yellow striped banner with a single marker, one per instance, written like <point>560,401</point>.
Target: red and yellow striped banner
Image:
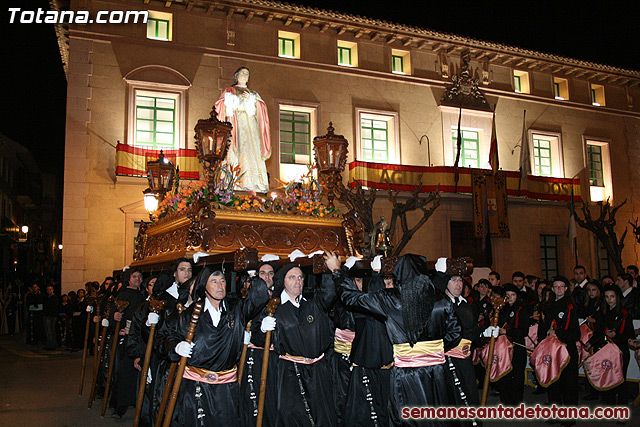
<point>405,178</point>
<point>132,161</point>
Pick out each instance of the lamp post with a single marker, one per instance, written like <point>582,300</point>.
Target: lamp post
<point>212,139</point>
<point>331,157</point>
<point>160,176</point>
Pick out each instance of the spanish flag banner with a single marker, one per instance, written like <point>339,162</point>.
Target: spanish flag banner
<point>405,178</point>
<point>132,161</point>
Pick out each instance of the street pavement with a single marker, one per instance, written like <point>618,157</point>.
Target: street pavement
<point>40,388</point>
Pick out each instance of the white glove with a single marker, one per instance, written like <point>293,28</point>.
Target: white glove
<point>441,265</point>
<point>198,255</point>
<point>351,261</point>
<point>268,324</point>
<point>269,257</point>
<point>491,330</point>
<point>297,253</point>
<point>247,337</point>
<point>376,264</point>
<point>105,323</point>
<point>184,349</point>
<point>89,309</point>
<point>152,319</point>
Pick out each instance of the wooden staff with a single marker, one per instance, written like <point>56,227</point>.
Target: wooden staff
<point>84,349</point>
<point>169,383</point>
<point>497,303</point>
<point>120,306</point>
<point>98,352</point>
<point>243,357</point>
<point>156,306</point>
<point>271,309</point>
<point>181,365</point>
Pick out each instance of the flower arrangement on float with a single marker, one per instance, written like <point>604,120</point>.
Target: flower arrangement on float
<point>298,197</point>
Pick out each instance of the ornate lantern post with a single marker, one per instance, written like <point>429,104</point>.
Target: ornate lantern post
<point>160,175</point>
<point>212,142</point>
<point>331,157</point>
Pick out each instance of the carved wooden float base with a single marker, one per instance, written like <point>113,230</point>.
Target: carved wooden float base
<point>227,230</point>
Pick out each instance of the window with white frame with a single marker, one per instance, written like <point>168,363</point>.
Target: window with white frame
<point>546,154</point>
<point>469,148</point>
<point>377,134</point>
<point>297,125</point>
<point>521,81</point>
<point>400,62</point>
<point>597,95</point>
<point>475,127</point>
<point>347,53</point>
<point>598,162</point>
<point>560,88</point>
<point>159,26</point>
<point>156,115</point>
<point>288,45</point>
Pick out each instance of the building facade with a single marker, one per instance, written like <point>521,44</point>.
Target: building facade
<point>144,86</point>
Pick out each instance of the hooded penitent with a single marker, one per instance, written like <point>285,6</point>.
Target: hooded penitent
<point>417,294</point>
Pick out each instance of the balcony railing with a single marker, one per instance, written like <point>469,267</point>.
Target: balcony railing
<point>405,178</point>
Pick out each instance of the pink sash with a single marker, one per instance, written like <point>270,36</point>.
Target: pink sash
<point>585,335</point>
<point>300,359</point>
<point>210,377</point>
<point>604,368</point>
<point>502,354</point>
<point>531,340</point>
<point>345,335</point>
<point>250,345</point>
<point>549,359</point>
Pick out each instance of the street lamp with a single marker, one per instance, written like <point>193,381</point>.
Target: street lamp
<point>331,157</point>
<point>212,143</point>
<point>160,176</point>
<point>25,229</point>
<point>60,246</point>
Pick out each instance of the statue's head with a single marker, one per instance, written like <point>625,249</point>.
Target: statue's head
<point>241,72</point>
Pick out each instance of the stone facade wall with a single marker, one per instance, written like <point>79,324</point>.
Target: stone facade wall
<point>99,207</point>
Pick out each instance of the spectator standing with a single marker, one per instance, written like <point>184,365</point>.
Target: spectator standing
<point>51,308</point>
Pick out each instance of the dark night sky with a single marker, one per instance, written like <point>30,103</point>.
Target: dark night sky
<point>33,112</point>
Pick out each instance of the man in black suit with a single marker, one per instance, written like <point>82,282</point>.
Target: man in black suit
<point>630,296</point>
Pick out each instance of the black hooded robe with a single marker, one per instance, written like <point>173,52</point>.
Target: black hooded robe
<point>217,348</point>
<point>305,391</point>
<point>411,386</point>
<point>367,402</point>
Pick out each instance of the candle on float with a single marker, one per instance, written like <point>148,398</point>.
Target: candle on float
<point>330,157</point>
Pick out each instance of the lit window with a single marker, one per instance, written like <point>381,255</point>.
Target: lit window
<point>469,150</point>
<point>560,88</point>
<point>549,255</point>
<point>597,95</point>
<point>542,157</point>
<point>155,121</point>
<point>159,26</point>
<point>400,61</point>
<point>598,162</point>
<point>296,126</point>
<point>521,81</point>
<point>347,54</point>
<point>546,154</point>
<point>295,137</point>
<point>288,45</point>
<point>377,136</point>
<point>476,138</point>
<point>594,157</point>
<point>155,116</point>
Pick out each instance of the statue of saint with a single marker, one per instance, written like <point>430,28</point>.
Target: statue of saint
<point>250,138</point>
